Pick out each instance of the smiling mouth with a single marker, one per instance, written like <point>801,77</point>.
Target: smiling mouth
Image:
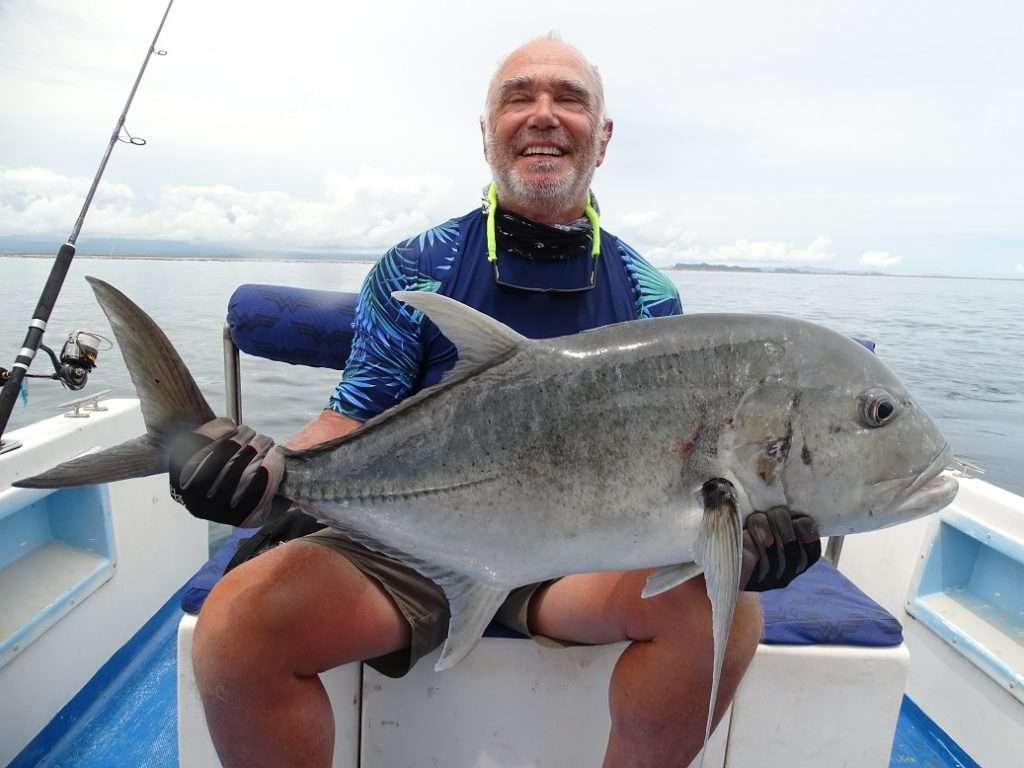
<point>542,152</point>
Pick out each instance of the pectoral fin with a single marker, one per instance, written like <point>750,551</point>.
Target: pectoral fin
<point>720,552</point>
<point>664,579</point>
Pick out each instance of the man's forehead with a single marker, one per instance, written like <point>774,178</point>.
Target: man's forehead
<point>544,60</point>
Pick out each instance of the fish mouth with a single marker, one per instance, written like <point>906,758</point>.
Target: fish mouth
<point>930,490</point>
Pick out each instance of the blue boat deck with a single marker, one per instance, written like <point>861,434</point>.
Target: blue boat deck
<point>127,714</point>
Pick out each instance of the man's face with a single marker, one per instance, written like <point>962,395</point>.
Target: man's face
<point>543,137</point>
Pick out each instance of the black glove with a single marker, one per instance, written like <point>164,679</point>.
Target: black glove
<point>778,545</point>
<point>225,472</point>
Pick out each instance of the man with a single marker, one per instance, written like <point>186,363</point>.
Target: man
<point>308,605</point>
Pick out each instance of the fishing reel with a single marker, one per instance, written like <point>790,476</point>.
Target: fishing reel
<point>77,358</point>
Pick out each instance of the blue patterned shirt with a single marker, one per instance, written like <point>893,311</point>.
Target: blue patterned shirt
<point>396,351</point>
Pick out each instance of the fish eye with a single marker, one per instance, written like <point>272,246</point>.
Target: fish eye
<point>878,408</point>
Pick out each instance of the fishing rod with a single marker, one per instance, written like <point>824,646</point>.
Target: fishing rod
<point>77,367</point>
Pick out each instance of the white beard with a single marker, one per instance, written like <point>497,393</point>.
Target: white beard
<point>566,189</point>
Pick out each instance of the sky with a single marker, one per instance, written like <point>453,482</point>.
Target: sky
<point>836,135</point>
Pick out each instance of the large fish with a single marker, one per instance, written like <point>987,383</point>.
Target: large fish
<point>642,444</point>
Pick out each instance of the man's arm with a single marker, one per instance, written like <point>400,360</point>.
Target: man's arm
<point>326,426</point>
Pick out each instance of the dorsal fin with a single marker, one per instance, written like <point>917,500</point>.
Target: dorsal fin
<point>481,341</point>
<point>477,337</point>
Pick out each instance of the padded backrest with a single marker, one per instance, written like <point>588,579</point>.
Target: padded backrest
<point>293,325</point>
<point>300,325</point>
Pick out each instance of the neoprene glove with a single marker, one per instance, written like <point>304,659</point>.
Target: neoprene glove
<point>778,545</point>
<point>225,472</point>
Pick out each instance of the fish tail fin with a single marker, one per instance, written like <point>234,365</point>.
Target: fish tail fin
<point>170,400</point>
<point>137,457</point>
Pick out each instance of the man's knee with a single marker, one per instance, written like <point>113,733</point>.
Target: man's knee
<point>254,622</point>
<point>685,611</point>
<point>234,630</point>
<point>296,610</point>
<point>681,611</point>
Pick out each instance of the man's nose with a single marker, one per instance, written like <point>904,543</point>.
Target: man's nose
<point>543,114</point>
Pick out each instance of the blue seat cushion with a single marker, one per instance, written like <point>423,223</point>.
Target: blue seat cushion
<point>293,325</point>
<point>821,607</point>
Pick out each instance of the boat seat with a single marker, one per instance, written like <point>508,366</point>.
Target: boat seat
<point>822,607</point>
<point>824,688</point>
<point>827,681</point>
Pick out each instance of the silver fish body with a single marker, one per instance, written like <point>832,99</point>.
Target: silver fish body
<point>588,452</point>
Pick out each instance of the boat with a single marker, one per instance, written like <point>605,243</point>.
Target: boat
<point>906,648</point>
<point>95,646</point>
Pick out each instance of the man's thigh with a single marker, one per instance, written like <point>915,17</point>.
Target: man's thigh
<point>607,607</point>
<point>310,603</point>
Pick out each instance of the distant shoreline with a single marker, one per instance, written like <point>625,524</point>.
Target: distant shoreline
<point>360,259</point>
<point>218,257</point>
<point>820,272</point>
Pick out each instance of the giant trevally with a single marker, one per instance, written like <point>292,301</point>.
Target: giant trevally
<point>636,445</point>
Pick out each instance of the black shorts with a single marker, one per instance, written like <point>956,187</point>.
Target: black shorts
<point>419,600</point>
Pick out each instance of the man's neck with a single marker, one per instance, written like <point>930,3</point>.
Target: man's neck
<point>548,212</point>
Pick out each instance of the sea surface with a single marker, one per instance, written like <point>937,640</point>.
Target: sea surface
<point>958,344</point>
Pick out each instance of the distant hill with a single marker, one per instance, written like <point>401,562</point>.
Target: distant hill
<point>117,247</point>
<point>705,267</point>
<point>112,246</point>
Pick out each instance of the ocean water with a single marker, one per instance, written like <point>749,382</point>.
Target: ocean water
<point>957,344</point>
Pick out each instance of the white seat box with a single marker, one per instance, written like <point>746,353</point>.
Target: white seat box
<point>809,706</point>
<point>510,703</point>
<point>518,704</point>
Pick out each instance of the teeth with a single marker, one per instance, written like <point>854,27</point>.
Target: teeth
<point>542,151</point>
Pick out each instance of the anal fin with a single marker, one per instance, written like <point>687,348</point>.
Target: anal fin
<point>720,552</point>
<point>664,579</point>
<point>472,605</point>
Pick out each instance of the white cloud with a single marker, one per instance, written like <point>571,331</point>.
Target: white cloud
<point>639,219</point>
<point>756,134</point>
<point>880,259</point>
<point>366,209</point>
<point>818,251</point>
<point>744,252</point>
<point>1020,268</point>
<point>39,201</point>
<point>666,243</point>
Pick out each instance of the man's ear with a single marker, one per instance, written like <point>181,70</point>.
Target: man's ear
<point>606,131</point>
<point>483,138</point>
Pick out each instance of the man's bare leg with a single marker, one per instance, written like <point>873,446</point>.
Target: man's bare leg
<point>266,630</point>
<point>660,685</point>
